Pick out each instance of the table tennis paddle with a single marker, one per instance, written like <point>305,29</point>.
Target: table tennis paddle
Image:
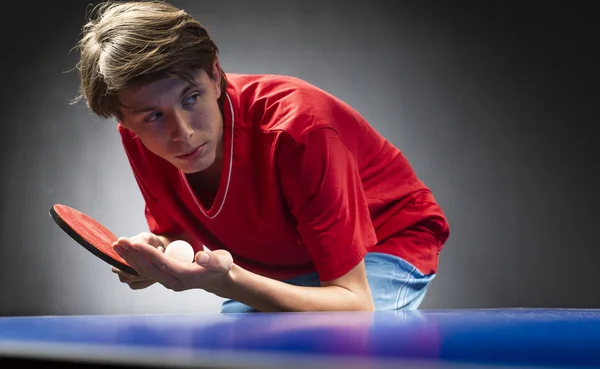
<point>89,233</point>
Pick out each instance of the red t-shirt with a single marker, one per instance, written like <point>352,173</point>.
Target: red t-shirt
<point>307,185</point>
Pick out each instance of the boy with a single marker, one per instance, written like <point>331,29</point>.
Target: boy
<point>290,199</point>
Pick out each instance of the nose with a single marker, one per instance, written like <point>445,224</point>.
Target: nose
<point>181,126</point>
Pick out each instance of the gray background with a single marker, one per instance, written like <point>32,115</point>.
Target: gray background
<point>494,106</point>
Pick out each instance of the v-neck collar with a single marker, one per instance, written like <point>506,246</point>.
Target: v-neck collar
<point>228,146</point>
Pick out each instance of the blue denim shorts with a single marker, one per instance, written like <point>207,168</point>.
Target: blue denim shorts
<point>395,284</point>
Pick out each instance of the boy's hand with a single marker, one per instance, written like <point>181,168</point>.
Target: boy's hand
<point>138,282</point>
<point>207,271</point>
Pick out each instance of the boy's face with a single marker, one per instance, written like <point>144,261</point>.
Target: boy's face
<point>177,121</point>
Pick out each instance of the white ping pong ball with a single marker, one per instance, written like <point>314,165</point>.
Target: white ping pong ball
<point>181,251</point>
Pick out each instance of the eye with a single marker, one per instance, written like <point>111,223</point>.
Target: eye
<point>152,117</point>
<point>192,99</point>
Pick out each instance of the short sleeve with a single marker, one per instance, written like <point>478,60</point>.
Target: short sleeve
<point>322,187</point>
<point>158,220</point>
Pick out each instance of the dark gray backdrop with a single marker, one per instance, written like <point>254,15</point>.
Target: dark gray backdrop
<point>495,106</point>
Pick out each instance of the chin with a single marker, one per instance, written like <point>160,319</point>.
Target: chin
<point>200,165</point>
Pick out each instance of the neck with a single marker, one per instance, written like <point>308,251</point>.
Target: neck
<point>210,177</point>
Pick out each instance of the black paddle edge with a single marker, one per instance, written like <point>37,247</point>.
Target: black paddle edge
<point>65,227</point>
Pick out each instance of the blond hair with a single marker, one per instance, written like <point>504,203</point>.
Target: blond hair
<point>129,44</point>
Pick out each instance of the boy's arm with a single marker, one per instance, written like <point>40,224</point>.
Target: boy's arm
<point>348,292</point>
<point>216,273</point>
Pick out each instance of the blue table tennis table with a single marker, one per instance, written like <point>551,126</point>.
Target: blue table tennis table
<point>472,338</point>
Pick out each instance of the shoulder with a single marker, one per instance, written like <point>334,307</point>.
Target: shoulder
<point>257,86</point>
<point>290,104</point>
<point>278,94</point>
<point>143,162</point>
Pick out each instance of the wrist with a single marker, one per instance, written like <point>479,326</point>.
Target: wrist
<point>226,285</point>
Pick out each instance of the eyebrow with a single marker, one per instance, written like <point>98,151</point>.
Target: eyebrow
<point>152,108</point>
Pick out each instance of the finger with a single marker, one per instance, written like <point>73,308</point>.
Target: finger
<point>134,252</point>
<point>132,279</point>
<point>125,241</point>
<point>149,238</point>
<point>128,278</point>
<point>152,264</point>
<point>125,246</point>
<point>218,260</point>
<point>122,274</point>
<point>119,271</point>
<point>141,285</point>
<point>144,248</point>
<point>144,238</point>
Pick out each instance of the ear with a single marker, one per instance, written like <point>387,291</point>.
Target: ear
<point>120,119</point>
<point>216,76</point>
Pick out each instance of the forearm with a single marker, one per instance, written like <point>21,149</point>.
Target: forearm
<point>269,295</point>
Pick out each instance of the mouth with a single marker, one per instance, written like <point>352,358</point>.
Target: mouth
<point>195,151</point>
